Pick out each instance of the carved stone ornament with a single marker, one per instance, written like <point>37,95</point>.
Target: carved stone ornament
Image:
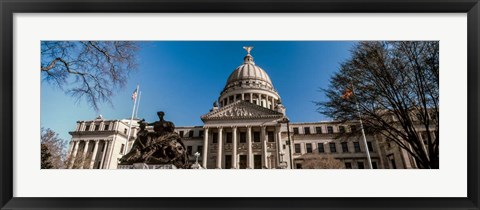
<point>241,109</point>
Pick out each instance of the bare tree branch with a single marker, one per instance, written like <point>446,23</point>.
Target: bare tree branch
<point>396,86</point>
<point>88,70</point>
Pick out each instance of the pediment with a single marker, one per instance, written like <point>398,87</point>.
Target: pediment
<point>242,110</point>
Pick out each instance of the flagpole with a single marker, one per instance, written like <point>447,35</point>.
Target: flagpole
<point>131,119</point>
<point>138,104</point>
<point>363,131</point>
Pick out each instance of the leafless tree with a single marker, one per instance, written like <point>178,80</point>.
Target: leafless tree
<point>52,149</point>
<point>315,161</point>
<point>89,70</point>
<point>396,88</point>
<point>78,162</point>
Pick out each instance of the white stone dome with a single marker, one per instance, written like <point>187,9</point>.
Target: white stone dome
<point>251,83</point>
<point>247,71</point>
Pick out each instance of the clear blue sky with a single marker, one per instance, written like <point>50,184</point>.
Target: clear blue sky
<point>184,78</point>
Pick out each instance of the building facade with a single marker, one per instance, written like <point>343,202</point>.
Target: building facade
<point>245,129</point>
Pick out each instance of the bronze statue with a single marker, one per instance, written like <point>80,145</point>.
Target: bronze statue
<point>162,146</point>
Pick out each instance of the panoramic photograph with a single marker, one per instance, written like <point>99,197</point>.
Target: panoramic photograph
<point>239,105</point>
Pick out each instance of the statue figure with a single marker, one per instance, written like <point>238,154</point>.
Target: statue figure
<point>162,146</point>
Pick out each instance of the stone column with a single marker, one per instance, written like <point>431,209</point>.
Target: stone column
<point>259,99</point>
<point>205,148</point>
<point>251,97</point>
<point>74,155</point>
<point>249,148</point>
<point>228,100</point>
<point>219,151</point>
<point>234,97</point>
<point>273,103</point>
<point>70,149</point>
<point>243,96</point>
<point>264,147</point>
<point>278,140</point>
<point>102,159</point>
<point>84,157</point>
<point>422,143</point>
<point>234,149</point>
<point>111,147</point>
<point>94,154</point>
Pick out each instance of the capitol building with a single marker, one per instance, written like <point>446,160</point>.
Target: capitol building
<point>247,128</point>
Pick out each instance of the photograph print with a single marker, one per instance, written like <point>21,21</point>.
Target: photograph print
<point>239,105</point>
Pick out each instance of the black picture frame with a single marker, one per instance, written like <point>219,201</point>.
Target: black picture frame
<point>10,7</point>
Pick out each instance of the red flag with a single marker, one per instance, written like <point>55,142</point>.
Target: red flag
<point>347,94</point>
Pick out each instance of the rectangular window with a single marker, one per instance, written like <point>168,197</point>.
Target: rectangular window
<point>122,148</point>
<point>190,133</point>
<point>228,161</point>
<point>295,130</point>
<point>229,138</point>
<point>306,130</point>
<point>344,147</point>
<point>257,161</point>
<point>200,149</point>
<point>106,127</point>
<point>360,165</point>
<point>353,128</point>
<point>318,130</point>
<point>284,146</point>
<point>309,148</point>
<point>320,148</point>
<point>97,127</point>
<point>87,128</point>
<point>200,133</point>
<point>181,133</point>
<point>270,136</point>
<point>297,148</point>
<point>333,147</point>
<point>243,162</point>
<point>356,145</point>
<point>348,165</point>
<point>189,150</point>
<point>243,137</point>
<point>374,165</point>
<point>125,131</point>
<point>298,166</point>
<point>341,129</point>
<point>330,129</point>
<point>215,138</point>
<point>370,146</point>
<point>256,136</point>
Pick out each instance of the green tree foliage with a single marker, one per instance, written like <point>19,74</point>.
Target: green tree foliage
<point>396,88</point>
<point>89,70</point>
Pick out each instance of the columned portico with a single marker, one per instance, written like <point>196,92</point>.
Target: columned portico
<point>247,116</point>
